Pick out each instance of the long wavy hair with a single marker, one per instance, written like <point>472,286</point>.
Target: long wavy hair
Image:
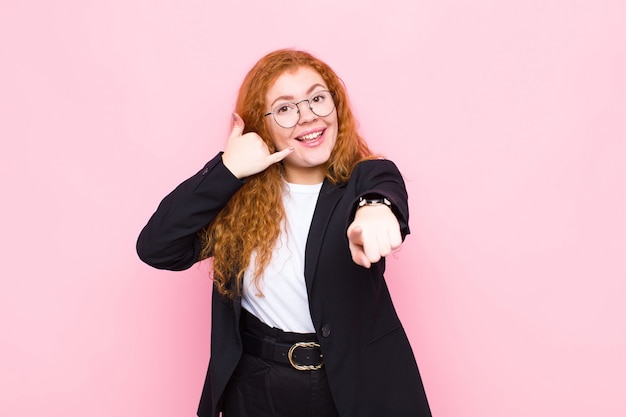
<point>250,222</point>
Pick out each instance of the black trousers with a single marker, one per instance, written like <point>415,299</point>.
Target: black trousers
<point>262,388</point>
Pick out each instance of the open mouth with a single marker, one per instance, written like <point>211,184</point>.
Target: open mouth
<point>310,137</point>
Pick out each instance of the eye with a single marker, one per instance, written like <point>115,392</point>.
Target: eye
<point>284,109</point>
<point>318,98</point>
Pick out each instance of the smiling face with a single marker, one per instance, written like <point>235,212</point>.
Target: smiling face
<point>313,137</point>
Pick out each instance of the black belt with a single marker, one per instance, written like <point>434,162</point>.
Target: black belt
<point>303,356</point>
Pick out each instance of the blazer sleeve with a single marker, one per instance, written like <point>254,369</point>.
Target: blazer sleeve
<point>170,238</point>
<point>382,177</point>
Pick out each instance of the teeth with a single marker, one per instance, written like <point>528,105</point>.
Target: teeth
<point>311,136</point>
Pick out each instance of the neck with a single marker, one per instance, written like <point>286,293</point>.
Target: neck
<point>305,175</point>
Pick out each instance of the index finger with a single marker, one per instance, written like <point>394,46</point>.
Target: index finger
<point>355,235</point>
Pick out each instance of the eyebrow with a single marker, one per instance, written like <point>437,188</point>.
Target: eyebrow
<point>308,92</point>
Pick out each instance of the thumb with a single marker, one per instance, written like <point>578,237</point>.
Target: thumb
<point>238,125</point>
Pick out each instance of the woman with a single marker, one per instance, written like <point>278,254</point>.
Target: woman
<point>298,217</point>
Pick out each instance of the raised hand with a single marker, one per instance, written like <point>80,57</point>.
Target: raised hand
<point>373,234</point>
<point>247,154</point>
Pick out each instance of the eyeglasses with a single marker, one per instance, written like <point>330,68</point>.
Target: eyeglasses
<point>287,115</point>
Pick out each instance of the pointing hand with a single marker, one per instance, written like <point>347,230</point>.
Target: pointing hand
<point>374,233</point>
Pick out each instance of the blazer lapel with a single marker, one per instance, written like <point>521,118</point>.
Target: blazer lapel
<point>328,198</point>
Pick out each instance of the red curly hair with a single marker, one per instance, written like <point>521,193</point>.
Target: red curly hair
<point>251,220</point>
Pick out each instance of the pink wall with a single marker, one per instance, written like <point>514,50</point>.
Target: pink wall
<point>508,120</point>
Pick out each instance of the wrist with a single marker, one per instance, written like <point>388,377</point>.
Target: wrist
<point>373,201</point>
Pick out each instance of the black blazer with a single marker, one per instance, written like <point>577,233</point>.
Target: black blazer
<point>370,365</point>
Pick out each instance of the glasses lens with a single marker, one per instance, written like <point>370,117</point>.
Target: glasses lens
<point>286,115</point>
<point>322,103</point>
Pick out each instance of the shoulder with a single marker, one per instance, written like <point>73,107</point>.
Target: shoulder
<point>376,163</point>
<point>376,166</point>
<point>376,176</point>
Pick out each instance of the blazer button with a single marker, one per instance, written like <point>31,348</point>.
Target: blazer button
<point>326,330</point>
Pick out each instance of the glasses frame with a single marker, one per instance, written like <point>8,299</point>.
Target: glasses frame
<point>308,100</point>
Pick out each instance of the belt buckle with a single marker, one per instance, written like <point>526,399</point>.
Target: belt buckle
<point>303,367</point>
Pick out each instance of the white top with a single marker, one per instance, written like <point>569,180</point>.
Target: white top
<point>285,303</point>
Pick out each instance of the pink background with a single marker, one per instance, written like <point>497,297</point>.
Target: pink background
<point>508,120</point>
